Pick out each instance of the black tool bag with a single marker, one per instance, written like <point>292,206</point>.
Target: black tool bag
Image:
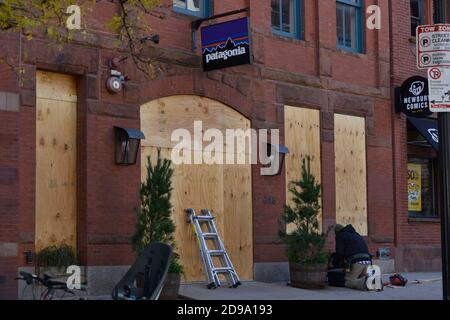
<point>336,278</point>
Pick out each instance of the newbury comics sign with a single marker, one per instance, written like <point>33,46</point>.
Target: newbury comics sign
<point>226,44</point>
<point>433,46</point>
<point>414,101</point>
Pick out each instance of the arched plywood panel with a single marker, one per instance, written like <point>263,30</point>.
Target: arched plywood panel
<point>302,136</point>
<point>56,119</point>
<point>224,188</point>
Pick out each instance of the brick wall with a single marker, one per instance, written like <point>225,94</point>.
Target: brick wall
<point>305,73</point>
<point>415,240</point>
<point>9,176</point>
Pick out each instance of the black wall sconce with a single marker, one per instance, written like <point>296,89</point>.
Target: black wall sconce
<point>276,153</point>
<point>29,257</point>
<point>128,142</point>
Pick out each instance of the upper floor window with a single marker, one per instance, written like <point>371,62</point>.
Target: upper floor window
<point>417,15</point>
<point>440,8</point>
<point>197,8</point>
<point>349,25</point>
<point>286,18</point>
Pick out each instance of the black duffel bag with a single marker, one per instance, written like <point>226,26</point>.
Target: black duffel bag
<point>336,278</point>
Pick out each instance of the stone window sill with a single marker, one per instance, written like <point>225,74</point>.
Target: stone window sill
<point>427,220</point>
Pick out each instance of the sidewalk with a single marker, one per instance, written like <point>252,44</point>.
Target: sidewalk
<point>280,291</point>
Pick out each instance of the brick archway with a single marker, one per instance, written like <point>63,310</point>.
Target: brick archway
<point>199,86</point>
<point>226,189</point>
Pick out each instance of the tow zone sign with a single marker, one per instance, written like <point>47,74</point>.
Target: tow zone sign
<point>433,46</point>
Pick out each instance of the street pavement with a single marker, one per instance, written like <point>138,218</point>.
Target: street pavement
<point>426,290</point>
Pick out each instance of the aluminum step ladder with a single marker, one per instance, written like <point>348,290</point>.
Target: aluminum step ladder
<point>211,234</point>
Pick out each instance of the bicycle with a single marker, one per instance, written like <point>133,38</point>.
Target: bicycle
<point>51,287</point>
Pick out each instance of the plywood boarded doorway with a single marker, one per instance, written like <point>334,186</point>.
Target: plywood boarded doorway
<point>302,136</point>
<point>351,171</point>
<point>56,152</point>
<point>225,189</point>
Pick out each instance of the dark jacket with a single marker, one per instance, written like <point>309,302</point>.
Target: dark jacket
<point>348,244</point>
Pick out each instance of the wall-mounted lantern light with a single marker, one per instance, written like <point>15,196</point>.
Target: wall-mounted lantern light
<point>276,154</point>
<point>128,142</point>
<point>29,257</point>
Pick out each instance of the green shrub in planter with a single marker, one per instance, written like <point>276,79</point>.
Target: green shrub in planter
<point>155,222</point>
<point>56,256</point>
<point>305,244</point>
<point>54,260</point>
<point>175,266</point>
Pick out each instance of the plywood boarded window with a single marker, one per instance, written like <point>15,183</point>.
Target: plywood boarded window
<point>302,137</point>
<point>226,189</point>
<point>55,160</point>
<point>351,171</point>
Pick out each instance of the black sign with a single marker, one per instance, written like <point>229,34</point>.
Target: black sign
<point>226,44</point>
<point>413,98</point>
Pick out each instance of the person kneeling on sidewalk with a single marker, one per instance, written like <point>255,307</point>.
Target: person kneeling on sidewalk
<point>353,253</point>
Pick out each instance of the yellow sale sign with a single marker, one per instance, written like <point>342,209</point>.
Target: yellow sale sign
<point>414,187</point>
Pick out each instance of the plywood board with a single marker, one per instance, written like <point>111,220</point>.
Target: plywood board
<point>302,137</point>
<point>351,172</point>
<point>238,222</point>
<point>56,86</point>
<point>163,117</point>
<point>55,160</point>
<point>224,189</point>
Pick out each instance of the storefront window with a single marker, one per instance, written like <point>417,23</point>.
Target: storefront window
<point>421,188</point>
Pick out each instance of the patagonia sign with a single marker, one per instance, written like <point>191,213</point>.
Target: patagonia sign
<point>226,45</point>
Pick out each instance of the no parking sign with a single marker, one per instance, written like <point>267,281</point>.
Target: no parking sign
<point>439,89</point>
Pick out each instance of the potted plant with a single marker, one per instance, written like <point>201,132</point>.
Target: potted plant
<point>308,258</point>
<point>54,260</point>
<point>173,280</point>
<point>155,222</point>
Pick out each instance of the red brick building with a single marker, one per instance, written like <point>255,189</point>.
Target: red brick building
<point>315,67</point>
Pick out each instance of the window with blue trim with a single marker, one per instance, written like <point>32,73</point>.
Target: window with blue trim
<point>440,11</point>
<point>286,19</point>
<point>349,25</point>
<point>197,8</point>
<point>417,15</point>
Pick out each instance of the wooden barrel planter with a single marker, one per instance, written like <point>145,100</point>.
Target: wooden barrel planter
<point>171,287</point>
<point>308,276</point>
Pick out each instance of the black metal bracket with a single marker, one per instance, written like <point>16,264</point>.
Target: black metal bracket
<point>398,97</point>
<point>195,25</point>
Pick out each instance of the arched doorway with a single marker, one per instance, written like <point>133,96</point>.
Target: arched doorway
<point>224,188</point>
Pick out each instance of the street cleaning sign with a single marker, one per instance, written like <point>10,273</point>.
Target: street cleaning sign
<point>433,46</point>
<point>439,89</point>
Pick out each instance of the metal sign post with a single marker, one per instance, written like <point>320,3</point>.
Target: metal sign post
<point>444,164</point>
<point>433,53</point>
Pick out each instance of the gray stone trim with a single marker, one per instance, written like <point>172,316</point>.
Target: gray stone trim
<point>9,101</point>
<point>271,272</point>
<point>8,249</point>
